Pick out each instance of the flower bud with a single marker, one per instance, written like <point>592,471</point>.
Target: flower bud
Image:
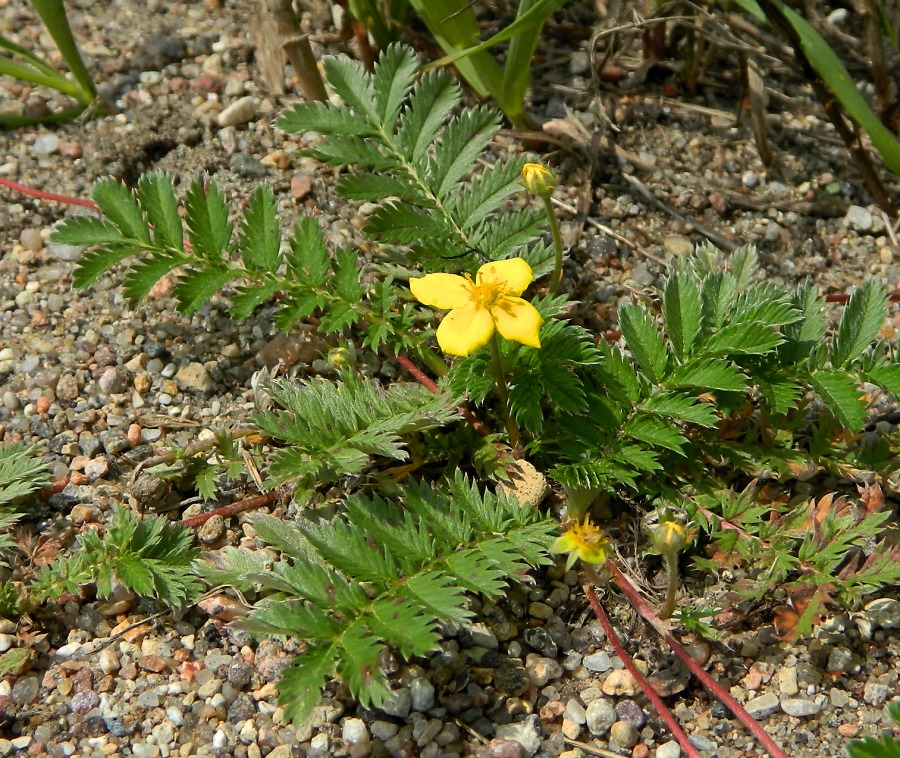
<point>539,179</point>
<point>668,537</point>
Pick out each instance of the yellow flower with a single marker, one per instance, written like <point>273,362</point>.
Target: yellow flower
<point>478,307</point>
<point>582,540</point>
<point>538,179</point>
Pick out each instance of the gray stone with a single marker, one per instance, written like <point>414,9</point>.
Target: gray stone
<point>575,711</point>
<point>46,144</point>
<point>763,706</point>
<point>600,715</point>
<point>479,635</point>
<point>787,681</point>
<point>875,693</point>
<point>597,662</point>
<point>858,218</point>
<point>800,707</point>
<point>399,704</point>
<point>239,112</point>
<point>421,694</point>
<point>354,732</point>
<point>527,733</point>
<point>670,749</point>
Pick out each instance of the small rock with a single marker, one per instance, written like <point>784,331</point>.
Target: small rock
<point>875,693</point>
<point>884,613</point>
<point>398,704</point>
<point>620,683</point>
<point>787,681</point>
<point>858,218</point>
<point>505,749</point>
<point>600,715</point>
<point>212,530</point>
<point>575,711</point>
<point>46,144</point>
<point>629,710</point>
<point>624,733</point>
<point>239,112</point>
<point>800,707</point>
<point>527,733</point>
<point>84,701</point>
<point>421,692</point>
<point>597,662</point>
<point>301,186</point>
<point>354,732</point>
<point>510,677</point>
<point>670,749</point>
<point>763,706</point>
<point>678,245</point>
<point>539,639</point>
<point>194,376</point>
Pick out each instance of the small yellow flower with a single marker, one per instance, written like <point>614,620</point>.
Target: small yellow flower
<point>669,537</point>
<point>478,307</point>
<point>538,179</point>
<point>582,540</point>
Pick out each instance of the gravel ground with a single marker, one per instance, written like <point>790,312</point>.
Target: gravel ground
<point>98,382</point>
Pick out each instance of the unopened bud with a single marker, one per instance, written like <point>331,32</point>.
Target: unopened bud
<point>538,179</point>
<point>668,537</point>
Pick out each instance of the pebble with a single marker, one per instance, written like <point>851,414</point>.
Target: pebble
<point>46,144</point>
<point>239,112</point>
<point>787,681</point>
<point>620,683</point>
<point>670,749</point>
<point>598,662</point>
<point>421,692</point>
<point>600,715</point>
<point>859,218</point>
<point>800,707</point>
<point>624,734</point>
<point>527,733</point>
<point>763,706</point>
<point>505,749</point>
<point>398,704</point>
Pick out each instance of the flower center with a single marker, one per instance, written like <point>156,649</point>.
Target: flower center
<point>486,292</point>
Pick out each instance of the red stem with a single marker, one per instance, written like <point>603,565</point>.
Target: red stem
<point>647,688</point>
<point>51,196</point>
<point>248,504</point>
<point>714,688</point>
<point>427,381</point>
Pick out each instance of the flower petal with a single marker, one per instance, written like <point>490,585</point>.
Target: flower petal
<point>565,543</point>
<point>518,320</point>
<point>443,291</point>
<point>464,330</point>
<point>511,276</point>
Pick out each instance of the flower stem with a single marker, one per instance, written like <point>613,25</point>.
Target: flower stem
<point>503,392</point>
<point>557,242</point>
<point>668,607</point>
<point>433,361</point>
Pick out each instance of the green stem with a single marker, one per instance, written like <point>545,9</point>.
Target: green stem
<point>503,393</point>
<point>668,607</point>
<point>433,361</point>
<point>557,242</point>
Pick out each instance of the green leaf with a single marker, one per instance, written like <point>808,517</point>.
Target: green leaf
<point>208,227</point>
<point>404,623</point>
<point>259,237</point>
<point>324,118</point>
<point>300,686</point>
<point>681,407</point>
<point>710,373</point>
<point>683,312</point>
<point>86,230</point>
<point>157,197</point>
<point>120,206</point>
<point>717,293</point>
<point>353,84</point>
<point>433,99</point>
<point>804,335</point>
<point>395,72</point>
<point>863,318</point>
<point>887,377</point>
<point>379,187</point>
<point>22,471</point>
<point>460,144</point>
<point>781,394</point>
<point>840,393</point>
<point>644,340</point>
<point>196,286</point>
<point>655,432</point>
<point>141,277</point>
<point>743,338</point>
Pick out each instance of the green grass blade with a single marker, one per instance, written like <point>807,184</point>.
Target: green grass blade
<point>53,14</point>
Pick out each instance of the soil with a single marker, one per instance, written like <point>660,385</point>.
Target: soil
<point>171,68</point>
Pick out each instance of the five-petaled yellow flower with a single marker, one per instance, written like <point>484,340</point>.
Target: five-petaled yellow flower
<point>582,540</point>
<point>478,307</point>
<point>538,179</point>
